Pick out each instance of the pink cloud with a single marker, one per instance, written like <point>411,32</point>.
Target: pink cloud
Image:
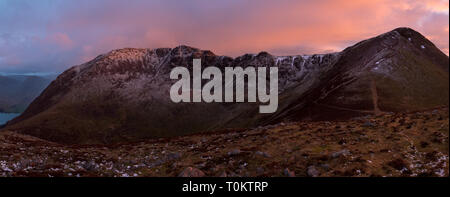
<point>80,30</point>
<point>62,40</point>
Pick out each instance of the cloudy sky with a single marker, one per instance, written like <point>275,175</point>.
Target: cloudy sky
<point>52,35</point>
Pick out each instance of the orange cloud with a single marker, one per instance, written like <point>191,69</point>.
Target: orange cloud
<point>285,26</point>
<point>79,30</point>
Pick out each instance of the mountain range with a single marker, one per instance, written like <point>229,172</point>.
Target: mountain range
<point>123,95</point>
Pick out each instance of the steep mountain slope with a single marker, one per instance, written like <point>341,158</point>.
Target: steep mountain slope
<point>18,91</point>
<point>124,95</point>
<point>397,71</point>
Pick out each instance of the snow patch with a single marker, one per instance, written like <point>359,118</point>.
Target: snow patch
<point>293,60</point>
<point>279,59</point>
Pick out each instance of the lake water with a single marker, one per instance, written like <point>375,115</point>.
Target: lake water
<point>4,117</point>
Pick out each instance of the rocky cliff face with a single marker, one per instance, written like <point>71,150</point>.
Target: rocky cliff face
<point>124,95</point>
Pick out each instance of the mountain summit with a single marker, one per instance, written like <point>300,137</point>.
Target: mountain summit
<point>123,95</point>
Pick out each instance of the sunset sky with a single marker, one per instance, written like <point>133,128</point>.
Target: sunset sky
<point>52,35</point>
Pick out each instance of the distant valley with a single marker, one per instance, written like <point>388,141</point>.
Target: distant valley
<point>17,91</point>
